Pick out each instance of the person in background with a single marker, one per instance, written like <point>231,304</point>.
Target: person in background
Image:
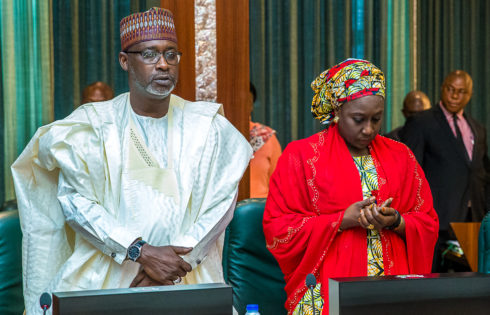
<point>451,147</point>
<point>267,150</point>
<point>347,202</point>
<point>97,92</point>
<point>116,194</point>
<point>414,102</point>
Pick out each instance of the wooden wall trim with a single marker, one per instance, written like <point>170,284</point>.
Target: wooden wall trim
<point>183,11</point>
<point>232,31</point>
<point>233,70</point>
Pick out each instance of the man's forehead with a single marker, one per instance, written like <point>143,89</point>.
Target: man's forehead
<point>155,44</point>
<point>454,80</point>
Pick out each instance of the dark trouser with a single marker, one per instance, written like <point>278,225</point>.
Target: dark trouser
<point>437,262</point>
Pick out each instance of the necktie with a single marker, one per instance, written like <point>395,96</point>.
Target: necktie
<point>459,137</point>
<point>458,131</point>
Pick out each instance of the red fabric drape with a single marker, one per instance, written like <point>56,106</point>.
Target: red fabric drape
<point>314,182</point>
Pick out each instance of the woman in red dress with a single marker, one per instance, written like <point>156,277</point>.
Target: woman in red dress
<point>346,201</point>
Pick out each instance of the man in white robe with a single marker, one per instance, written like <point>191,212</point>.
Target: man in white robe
<point>146,165</point>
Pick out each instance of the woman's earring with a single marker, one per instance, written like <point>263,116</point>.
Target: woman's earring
<point>336,119</point>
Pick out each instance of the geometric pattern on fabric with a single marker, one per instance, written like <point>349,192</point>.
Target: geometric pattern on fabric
<point>304,306</point>
<point>154,24</point>
<point>259,135</point>
<point>347,81</point>
<point>369,182</point>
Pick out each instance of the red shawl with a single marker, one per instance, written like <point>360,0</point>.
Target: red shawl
<point>314,182</point>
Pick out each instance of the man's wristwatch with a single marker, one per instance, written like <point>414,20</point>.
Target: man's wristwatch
<point>134,251</point>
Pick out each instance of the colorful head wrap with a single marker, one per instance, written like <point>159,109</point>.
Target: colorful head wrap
<point>156,23</point>
<point>347,81</point>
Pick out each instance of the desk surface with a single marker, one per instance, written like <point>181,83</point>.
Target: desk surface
<point>454,275</point>
<point>451,293</point>
<point>198,299</point>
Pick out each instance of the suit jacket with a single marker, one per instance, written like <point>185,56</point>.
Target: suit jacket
<point>394,134</point>
<point>453,178</point>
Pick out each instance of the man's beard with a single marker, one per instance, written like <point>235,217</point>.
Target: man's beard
<point>164,92</point>
<point>161,92</point>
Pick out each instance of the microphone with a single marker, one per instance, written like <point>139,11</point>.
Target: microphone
<point>310,281</point>
<point>311,284</point>
<point>45,301</point>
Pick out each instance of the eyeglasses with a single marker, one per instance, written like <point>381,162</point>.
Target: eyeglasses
<point>151,57</point>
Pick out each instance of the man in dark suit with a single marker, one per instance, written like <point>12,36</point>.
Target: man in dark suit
<point>451,148</point>
<point>414,102</point>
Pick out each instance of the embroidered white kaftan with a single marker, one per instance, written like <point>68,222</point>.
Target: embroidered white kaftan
<point>90,184</point>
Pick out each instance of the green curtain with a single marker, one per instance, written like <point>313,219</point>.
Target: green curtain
<point>455,34</point>
<point>293,41</point>
<point>27,80</point>
<point>49,51</point>
<point>3,132</point>
<point>86,47</point>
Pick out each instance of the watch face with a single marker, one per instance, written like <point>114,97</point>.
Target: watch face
<point>133,252</point>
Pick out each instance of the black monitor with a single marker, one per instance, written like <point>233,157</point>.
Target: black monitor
<point>198,299</point>
<point>450,293</point>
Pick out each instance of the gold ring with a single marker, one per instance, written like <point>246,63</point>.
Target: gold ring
<point>370,226</point>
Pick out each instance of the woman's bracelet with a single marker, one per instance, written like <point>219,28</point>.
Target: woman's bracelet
<point>397,222</point>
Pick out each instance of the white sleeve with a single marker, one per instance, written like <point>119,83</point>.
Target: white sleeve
<point>93,221</point>
<point>224,160</point>
<point>78,152</point>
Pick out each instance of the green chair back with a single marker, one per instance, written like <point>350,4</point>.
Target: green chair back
<point>11,298</point>
<point>248,266</point>
<point>484,245</point>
